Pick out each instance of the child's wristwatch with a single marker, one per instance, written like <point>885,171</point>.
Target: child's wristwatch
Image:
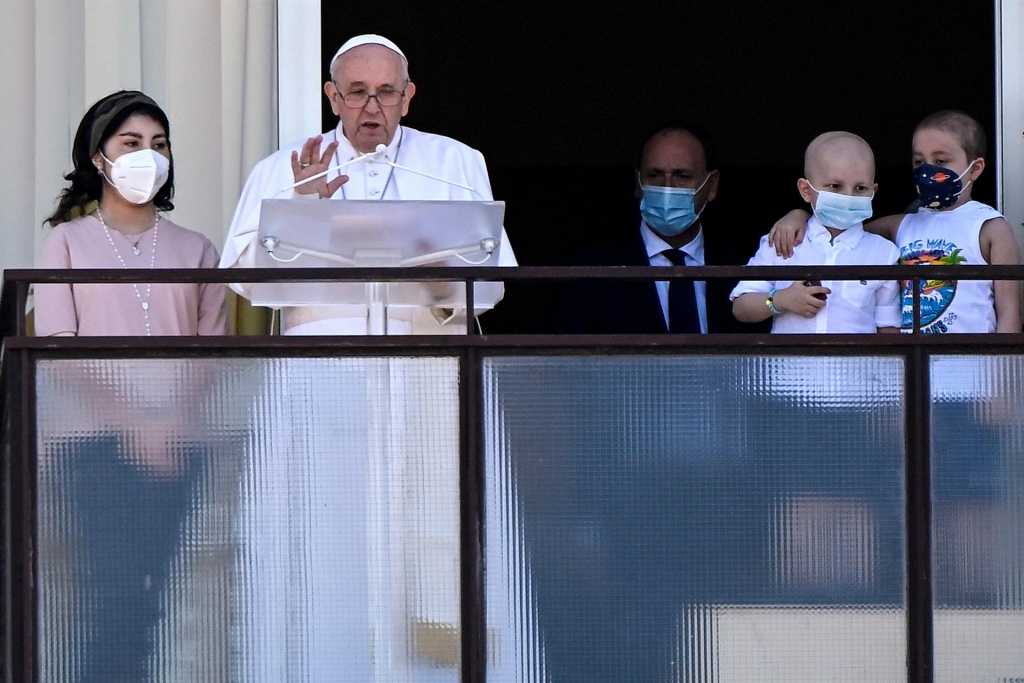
<point>770,303</point>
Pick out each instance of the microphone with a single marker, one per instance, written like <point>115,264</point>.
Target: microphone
<point>379,151</point>
<point>427,175</point>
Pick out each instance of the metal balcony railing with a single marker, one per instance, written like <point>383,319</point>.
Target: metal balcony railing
<point>21,354</point>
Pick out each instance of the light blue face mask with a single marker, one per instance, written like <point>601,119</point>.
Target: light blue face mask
<point>841,211</point>
<point>670,210</point>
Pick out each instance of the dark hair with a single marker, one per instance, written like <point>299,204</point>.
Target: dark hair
<point>86,182</point>
<point>964,127</point>
<point>672,125</point>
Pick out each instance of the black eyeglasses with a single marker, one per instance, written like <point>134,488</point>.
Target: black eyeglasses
<point>358,99</point>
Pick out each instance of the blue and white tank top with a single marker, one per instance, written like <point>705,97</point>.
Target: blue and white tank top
<point>931,237</point>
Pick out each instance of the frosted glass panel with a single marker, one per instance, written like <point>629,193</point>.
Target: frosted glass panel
<point>695,518</point>
<point>977,441</point>
<point>248,520</point>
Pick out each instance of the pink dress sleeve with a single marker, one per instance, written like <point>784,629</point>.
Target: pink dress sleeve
<point>212,316</point>
<point>55,311</point>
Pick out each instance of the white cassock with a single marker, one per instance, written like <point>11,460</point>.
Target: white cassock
<point>349,538</point>
<point>433,154</point>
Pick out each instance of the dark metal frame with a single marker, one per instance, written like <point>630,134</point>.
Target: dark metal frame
<point>471,519</point>
<point>20,590</point>
<point>20,354</point>
<point>920,615</point>
<point>17,282</point>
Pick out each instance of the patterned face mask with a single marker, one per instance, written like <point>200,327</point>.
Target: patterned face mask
<point>938,186</point>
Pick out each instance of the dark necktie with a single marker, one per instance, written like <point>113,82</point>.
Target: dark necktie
<point>682,300</point>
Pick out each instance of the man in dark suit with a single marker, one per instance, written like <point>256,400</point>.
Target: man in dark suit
<point>616,574</point>
<point>677,177</point>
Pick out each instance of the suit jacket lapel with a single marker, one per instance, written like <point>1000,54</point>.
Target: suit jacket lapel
<point>647,292</point>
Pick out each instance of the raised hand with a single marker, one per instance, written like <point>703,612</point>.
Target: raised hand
<point>309,161</point>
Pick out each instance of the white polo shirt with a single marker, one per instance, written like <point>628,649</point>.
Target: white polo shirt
<point>855,306</point>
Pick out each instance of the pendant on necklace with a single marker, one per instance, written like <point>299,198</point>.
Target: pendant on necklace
<point>145,305</point>
<point>136,250</point>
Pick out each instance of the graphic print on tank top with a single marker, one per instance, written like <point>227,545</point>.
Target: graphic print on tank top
<point>936,295</point>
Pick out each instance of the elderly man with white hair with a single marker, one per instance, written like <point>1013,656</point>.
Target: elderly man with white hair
<point>370,91</point>
<point>349,530</point>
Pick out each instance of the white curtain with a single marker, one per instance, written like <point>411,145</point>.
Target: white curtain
<point>211,64</point>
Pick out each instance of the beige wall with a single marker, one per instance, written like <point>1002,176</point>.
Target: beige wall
<point>212,65</point>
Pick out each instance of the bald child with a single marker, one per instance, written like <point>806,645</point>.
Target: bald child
<point>838,183</point>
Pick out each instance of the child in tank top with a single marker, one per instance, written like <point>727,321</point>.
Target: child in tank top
<point>949,229</point>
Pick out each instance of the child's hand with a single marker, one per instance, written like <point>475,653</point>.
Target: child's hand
<point>788,232</point>
<point>801,299</point>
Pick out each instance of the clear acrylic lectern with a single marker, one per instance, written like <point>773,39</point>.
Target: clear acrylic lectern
<point>297,233</point>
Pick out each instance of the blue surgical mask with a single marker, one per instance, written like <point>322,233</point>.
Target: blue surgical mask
<point>841,211</point>
<point>670,210</point>
<point>939,186</point>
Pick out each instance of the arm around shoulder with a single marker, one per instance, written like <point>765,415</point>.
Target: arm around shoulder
<point>788,232</point>
<point>886,226</point>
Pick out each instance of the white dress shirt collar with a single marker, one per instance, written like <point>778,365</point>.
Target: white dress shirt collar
<point>693,256</point>
<point>849,238</point>
<point>655,244</point>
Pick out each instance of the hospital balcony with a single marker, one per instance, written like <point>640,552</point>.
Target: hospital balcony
<point>511,508</point>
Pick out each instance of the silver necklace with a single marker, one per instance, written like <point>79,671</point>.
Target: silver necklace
<point>136,250</point>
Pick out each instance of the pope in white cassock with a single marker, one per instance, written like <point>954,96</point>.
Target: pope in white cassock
<point>370,92</point>
<point>349,523</point>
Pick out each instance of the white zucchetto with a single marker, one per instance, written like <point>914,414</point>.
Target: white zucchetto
<point>365,39</point>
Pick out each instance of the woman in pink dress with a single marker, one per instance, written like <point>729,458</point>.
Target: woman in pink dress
<point>109,217</point>
<point>129,470</point>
